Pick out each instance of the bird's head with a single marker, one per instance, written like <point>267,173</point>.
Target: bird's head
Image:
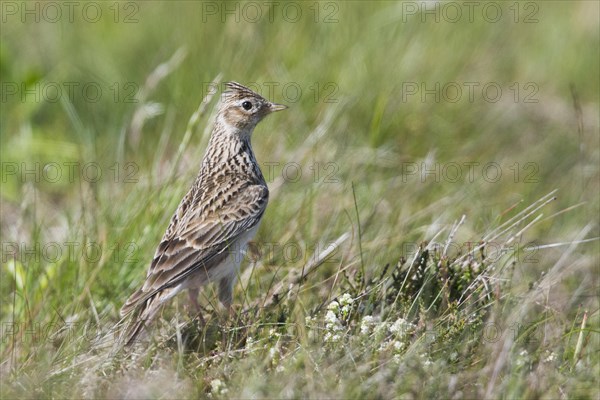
<point>242,108</point>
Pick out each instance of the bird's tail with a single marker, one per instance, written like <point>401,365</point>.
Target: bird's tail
<point>141,316</point>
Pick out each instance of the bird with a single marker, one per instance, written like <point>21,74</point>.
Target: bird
<point>210,229</point>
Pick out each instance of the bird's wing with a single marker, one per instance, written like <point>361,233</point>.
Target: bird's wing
<point>199,235</point>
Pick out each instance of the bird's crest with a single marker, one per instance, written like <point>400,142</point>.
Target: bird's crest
<point>237,91</point>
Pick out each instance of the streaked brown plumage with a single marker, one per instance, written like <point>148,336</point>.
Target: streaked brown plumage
<point>217,217</point>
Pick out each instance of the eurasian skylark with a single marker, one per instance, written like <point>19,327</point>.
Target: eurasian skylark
<point>215,220</point>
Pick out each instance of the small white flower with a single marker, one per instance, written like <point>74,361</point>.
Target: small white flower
<point>273,351</point>
<point>345,310</point>
<point>366,324</point>
<point>332,337</point>
<point>346,299</point>
<point>401,327</point>
<point>274,334</point>
<point>334,306</point>
<point>523,353</point>
<point>217,387</point>
<point>550,356</point>
<point>333,324</point>
<point>250,343</point>
<point>523,358</point>
<point>427,361</point>
<point>331,318</point>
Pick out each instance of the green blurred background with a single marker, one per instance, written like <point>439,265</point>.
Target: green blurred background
<point>370,54</point>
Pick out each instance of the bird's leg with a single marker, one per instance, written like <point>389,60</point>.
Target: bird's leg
<point>193,293</point>
<point>226,298</point>
<point>226,292</point>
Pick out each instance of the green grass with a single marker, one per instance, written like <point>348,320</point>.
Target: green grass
<point>443,285</point>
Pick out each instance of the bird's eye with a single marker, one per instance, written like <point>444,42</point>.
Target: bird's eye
<point>247,105</point>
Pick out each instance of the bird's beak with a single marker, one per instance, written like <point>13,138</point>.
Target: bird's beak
<point>277,107</point>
